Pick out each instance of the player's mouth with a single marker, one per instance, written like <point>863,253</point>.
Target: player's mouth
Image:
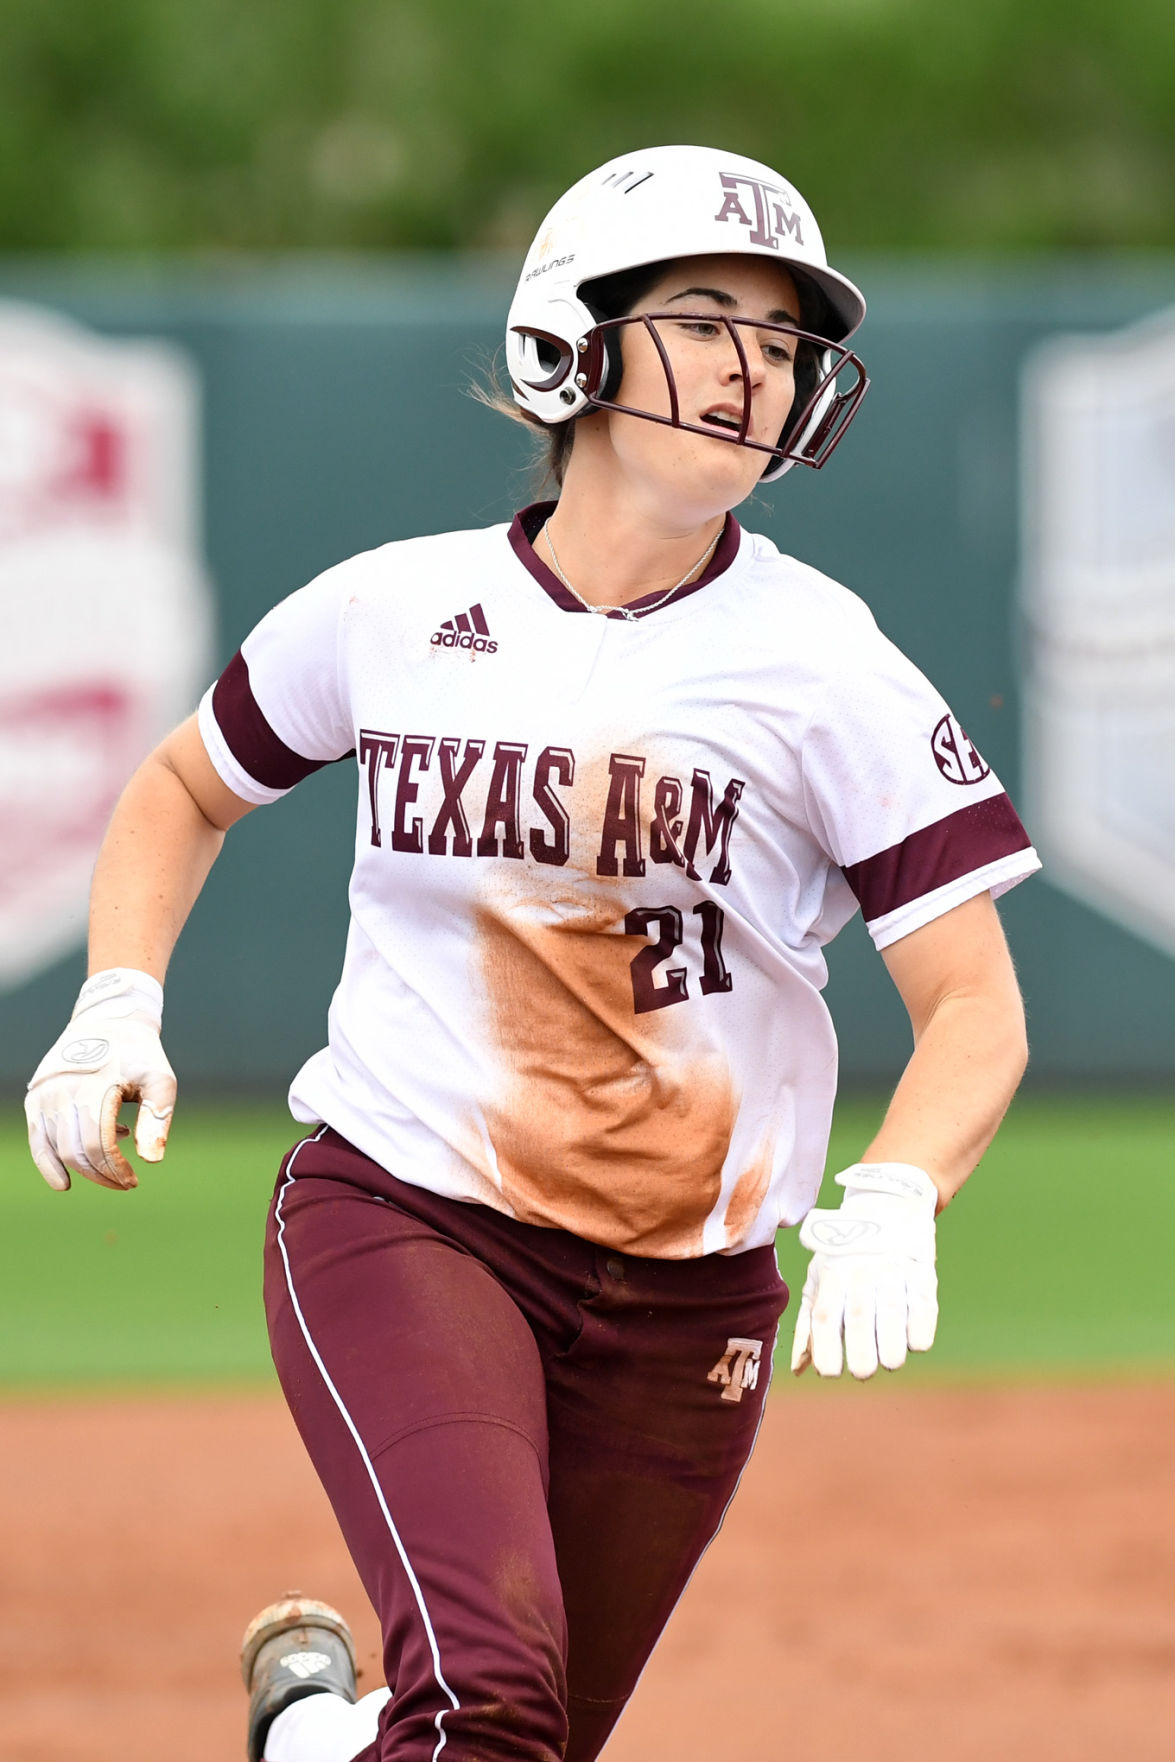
<point>725,417</point>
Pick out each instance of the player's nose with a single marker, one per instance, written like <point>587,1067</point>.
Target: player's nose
<point>745,363</point>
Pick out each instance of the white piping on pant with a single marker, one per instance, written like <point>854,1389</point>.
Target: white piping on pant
<point>367,1462</point>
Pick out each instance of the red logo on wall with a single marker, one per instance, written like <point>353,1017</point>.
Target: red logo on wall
<point>107,645</point>
<point>955,755</point>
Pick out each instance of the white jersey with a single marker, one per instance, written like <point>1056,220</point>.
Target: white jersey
<point>597,860</point>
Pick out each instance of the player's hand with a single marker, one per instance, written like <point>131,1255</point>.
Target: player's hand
<point>110,1053</point>
<point>871,1289</point>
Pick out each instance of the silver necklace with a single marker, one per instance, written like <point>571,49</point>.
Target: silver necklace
<point>623,610</point>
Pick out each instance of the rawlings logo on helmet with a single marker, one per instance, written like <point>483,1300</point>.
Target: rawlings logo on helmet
<point>555,263</point>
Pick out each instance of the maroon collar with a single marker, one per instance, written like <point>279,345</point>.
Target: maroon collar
<point>528,523</point>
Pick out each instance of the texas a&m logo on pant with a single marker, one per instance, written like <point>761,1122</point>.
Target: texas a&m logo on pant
<point>738,1368</point>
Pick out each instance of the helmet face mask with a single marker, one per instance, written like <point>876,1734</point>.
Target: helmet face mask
<point>826,399</point>
<point>660,206</point>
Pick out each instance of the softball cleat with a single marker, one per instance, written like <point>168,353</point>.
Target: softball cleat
<point>295,1647</point>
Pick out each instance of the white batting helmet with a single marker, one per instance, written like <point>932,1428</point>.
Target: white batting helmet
<point>650,207</point>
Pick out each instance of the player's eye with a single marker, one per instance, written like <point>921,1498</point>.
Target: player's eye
<point>702,327</point>
<point>779,350</point>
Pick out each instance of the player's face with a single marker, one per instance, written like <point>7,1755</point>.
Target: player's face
<point>708,374</point>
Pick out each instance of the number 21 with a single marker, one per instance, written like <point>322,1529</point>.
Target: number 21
<point>666,922</point>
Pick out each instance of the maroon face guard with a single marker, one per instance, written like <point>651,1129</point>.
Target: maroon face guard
<point>827,363</point>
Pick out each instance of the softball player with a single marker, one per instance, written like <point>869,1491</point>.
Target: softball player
<point>623,770</point>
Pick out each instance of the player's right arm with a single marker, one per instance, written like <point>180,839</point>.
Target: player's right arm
<point>277,713</point>
<point>164,836</point>
<point>163,839</point>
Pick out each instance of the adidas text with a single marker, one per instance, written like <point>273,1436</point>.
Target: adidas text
<point>463,639</point>
<point>468,630</point>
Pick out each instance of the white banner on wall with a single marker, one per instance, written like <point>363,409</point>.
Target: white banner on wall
<point>1099,603</point>
<point>108,611</point>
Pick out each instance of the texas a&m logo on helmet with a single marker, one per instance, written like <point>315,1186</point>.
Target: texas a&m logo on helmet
<point>768,209</point>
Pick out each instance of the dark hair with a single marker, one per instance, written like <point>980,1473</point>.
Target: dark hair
<point>615,296</point>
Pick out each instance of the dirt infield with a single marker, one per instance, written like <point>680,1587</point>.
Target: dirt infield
<point>906,1576</point>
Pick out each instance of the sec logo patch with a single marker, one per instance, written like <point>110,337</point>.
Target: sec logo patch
<point>954,754</point>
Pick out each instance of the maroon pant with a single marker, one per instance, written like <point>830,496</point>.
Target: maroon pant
<point>528,1442</point>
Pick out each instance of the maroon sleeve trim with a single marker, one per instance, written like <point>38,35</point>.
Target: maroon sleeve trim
<point>974,836</point>
<point>248,736</point>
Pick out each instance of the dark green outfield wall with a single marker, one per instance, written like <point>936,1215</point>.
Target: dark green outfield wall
<point>335,420</point>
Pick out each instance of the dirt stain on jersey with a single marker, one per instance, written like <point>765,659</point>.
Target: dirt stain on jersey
<point>750,1190</point>
<point>606,1123</point>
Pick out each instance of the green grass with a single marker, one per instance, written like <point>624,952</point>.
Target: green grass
<point>159,1285</point>
<point>1055,1258</point>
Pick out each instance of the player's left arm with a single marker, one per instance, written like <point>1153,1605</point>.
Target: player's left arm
<point>956,979</point>
<point>871,1290</point>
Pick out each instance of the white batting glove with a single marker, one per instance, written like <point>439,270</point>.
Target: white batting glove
<point>871,1283</point>
<point>110,1053</point>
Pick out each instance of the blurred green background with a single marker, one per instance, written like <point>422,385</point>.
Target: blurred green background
<point>139,125</point>
<point>137,134</point>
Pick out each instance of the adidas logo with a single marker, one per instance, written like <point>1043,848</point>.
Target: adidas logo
<point>468,630</point>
